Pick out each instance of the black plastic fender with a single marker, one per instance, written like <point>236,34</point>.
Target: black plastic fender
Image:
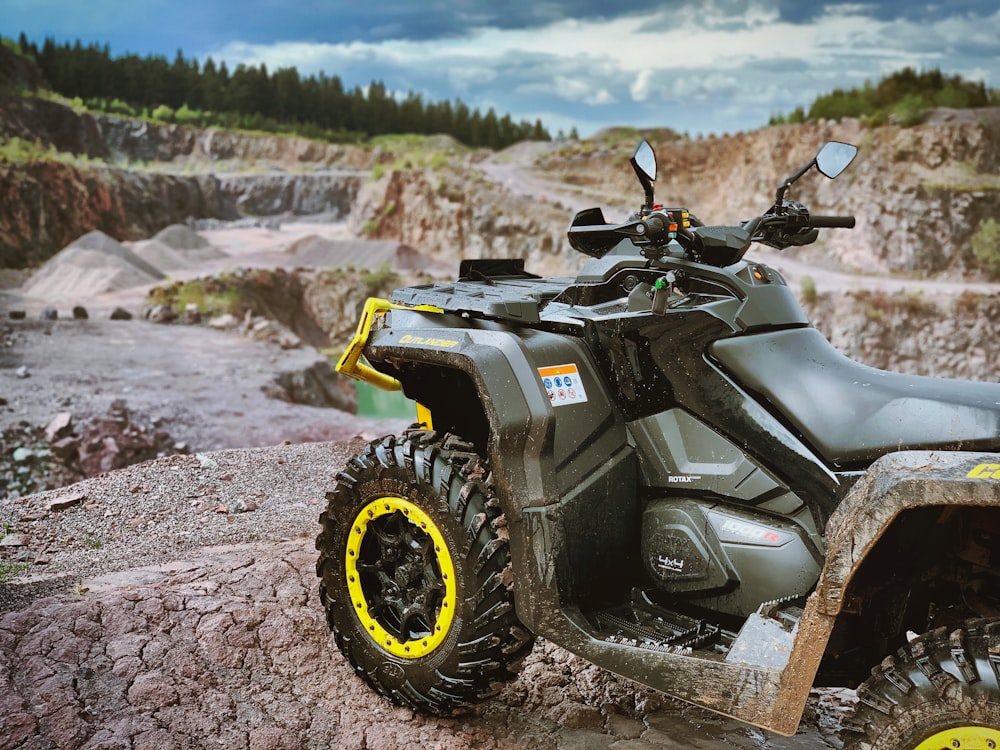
<point>539,470</point>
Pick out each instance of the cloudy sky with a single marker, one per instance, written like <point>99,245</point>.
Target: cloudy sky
<point>696,66</point>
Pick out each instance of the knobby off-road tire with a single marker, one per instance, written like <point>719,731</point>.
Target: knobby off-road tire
<point>415,574</point>
<point>940,692</point>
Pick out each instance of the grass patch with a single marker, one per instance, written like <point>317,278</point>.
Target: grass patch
<point>212,296</point>
<point>960,177</point>
<point>22,151</point>
<point>10,570</point>
<point>369,227</point>
<point>986,247</point>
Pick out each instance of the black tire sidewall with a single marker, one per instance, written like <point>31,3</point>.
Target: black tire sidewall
<point>938,699</point>
<point>377,666</point>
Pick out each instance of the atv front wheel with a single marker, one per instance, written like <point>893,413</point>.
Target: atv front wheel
<point>415,577</point>
<point>942,691</point>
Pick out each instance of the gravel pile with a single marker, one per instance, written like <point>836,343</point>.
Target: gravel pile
<point>93,264</point>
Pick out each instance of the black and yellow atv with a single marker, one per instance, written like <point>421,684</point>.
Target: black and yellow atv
<point>662,467</point>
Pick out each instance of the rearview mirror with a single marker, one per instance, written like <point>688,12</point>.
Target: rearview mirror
<point>644,159</point>
<point>644,163</point>
<point>834,157</point>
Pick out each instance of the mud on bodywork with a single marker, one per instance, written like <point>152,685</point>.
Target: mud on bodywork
<point>568,517</point>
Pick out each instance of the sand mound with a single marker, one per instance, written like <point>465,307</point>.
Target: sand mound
<point>162,256</point>
<point>93,264</point>
<point>188,245</point>
<point>318,252</point>
<point>181,237</point>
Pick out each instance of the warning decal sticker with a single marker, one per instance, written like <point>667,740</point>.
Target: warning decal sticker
<point>563,384</point>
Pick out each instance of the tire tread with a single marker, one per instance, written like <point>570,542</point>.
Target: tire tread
<point>493,644</point>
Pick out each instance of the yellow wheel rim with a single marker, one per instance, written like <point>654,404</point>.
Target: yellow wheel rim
<point>400,577</point>
<point>962,738</point>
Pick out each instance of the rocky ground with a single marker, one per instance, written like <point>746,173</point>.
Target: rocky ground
<point>177,607</point>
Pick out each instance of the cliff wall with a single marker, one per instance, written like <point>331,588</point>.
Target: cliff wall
<point>918,193</point>
<point>130,178</point>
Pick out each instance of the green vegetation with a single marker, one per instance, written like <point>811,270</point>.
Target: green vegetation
<point>959,177</point>
<point>212,296</point>
<point>808,289</point>
<point>415,151</point>
<point>13,46</point>
<point>10,570</point>
<point>986,246</point>
<point>378,281</point>
<point>253,98</point>
<point>878,304</point>
<point>21,151</point>
<point>905,95</point>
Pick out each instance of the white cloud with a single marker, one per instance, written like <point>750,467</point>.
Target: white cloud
<point>642,85</point>
<point>732,56</point>
<point>600,98</point>
<point>640,46</point>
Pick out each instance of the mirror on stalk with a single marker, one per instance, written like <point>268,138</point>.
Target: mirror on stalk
<point>834,157</point>
<point>644,159</point>
<point>644,163</point>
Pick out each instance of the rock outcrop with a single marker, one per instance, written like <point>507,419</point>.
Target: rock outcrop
<point>44,205</point>
<point>46,202</point>
<point>918,193</point>
<point>331,193</point>
<point>449,214</point>
<point>48,124</point>
<point>944,336</point>
<point>127,139</point>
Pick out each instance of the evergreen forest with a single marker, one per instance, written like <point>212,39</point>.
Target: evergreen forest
<point>905,95</point>
<point>252,97</point>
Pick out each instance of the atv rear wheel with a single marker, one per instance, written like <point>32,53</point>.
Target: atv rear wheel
<point>415,577</point>
<point>941,692</point>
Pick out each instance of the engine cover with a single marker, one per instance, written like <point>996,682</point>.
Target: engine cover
<point>729,559</point>
<point>681,551</point>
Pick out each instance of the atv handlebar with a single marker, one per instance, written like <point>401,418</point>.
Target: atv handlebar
<point>831,222</point>
<point>654,228</point>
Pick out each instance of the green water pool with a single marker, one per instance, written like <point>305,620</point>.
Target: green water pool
<point>376,403</point>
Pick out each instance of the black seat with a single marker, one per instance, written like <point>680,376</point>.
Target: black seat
<point>852,414</point>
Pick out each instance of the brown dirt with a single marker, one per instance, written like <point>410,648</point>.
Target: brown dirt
<point>204,387</point>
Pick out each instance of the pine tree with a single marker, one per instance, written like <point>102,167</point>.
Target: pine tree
<point>252,97</point>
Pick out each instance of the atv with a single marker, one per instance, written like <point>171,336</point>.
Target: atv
<point>662,467</point>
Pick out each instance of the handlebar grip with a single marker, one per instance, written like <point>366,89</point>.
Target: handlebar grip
<point>831,222</point>
<point>655,226</point>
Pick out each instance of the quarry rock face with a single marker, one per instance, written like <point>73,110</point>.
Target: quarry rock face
<point>138,140</point>
<point>329,193</point>
<point>919,193</point>
<point>447,215</point>
<point>46,205</point>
